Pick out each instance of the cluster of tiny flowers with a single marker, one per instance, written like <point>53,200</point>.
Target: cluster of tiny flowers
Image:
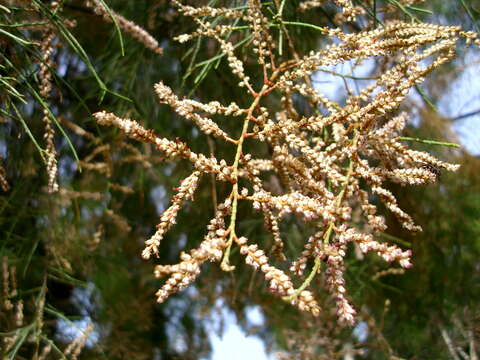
<point>3,179</point>
<point>73,350</point>
<point>271,223</point>
<point>318,167</point>
<point>349,11</point>
<point>217,31</point>
<point>126,25</point>
<point>15,318</point>
<point>168,218</point>
<point>310,4</point>
<point>11,304</point>
<point>172,149</point>
<point>211,248</point>
<point>263,43</point>
<point>298,266</point>
<point>335,281</point>
<point>118,221</point>
<point>45,76</point>
<point>279,282</point>
<point>187,107</point>
<point>390,271</point>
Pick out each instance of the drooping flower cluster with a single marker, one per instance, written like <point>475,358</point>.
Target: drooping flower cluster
<point>15,316</point>
<point>126,25</point>
<point>185,191</point>
<point>211,249</point>
<point>325,164</point>
<point>45,76</point>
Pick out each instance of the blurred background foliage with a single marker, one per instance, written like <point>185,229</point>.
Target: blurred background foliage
<point>77,253</point>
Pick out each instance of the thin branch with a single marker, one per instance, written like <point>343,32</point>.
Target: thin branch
<point>466,115</point>
<point>429,142</point>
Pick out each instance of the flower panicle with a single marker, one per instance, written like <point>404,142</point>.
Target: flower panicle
<point>330,167</point>
<point>127,26</point>
<point>184,192</point>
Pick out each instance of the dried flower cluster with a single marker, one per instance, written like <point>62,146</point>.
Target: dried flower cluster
<point>339,158</point>
<point>126,25</point>
<point>45,75</point>
<point>3,178</point>
<point>25,331</point>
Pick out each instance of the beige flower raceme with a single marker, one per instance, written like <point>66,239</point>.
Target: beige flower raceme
<point>323,163</point>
